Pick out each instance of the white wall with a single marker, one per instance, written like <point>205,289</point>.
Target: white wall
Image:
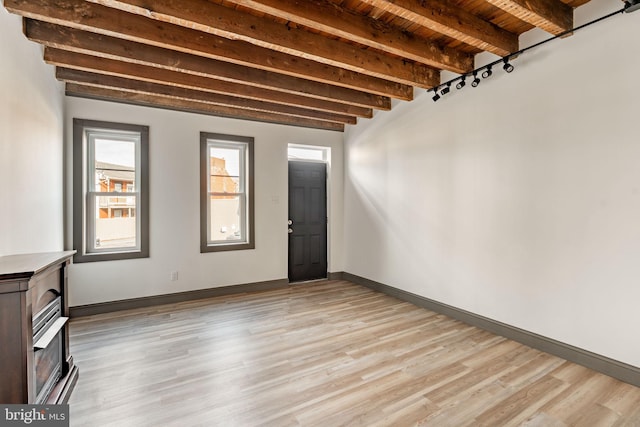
<point>174,142</point>
<point>518,200</point>
<point>31,107</point>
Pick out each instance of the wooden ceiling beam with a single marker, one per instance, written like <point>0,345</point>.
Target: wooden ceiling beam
<point>328,17</point>
<point>129,85</point>
<point>81,41</point>
<point>80,61</point>
<point>156,101</point>
<point>450,20</point>
<point>111,22</point>
<point>552,16</point>
<point>328,97</point>
<point>233,24</point>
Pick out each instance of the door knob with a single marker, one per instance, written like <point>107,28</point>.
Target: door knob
<point>290,222</point>
<point>290,231</point>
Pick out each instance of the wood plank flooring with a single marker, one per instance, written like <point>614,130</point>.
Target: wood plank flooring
<point>324,354</point>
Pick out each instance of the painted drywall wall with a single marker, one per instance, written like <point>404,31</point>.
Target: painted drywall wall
<point>31,162</point>
<point>174,141</point>
<point>518,200</point>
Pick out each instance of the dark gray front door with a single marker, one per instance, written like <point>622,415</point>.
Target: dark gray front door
<point>307,221</point>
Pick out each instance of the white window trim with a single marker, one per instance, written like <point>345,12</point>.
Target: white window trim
<point>91,135</point>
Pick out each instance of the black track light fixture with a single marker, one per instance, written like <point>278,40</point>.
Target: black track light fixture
<point>485,71</point>
<point>507,66</point>
<point>631,5</point>
<point>476,81</point>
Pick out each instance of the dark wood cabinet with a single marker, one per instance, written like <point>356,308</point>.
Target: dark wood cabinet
<point>34,302</point>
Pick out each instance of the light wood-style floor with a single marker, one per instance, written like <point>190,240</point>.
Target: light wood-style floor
<point>325,354</point>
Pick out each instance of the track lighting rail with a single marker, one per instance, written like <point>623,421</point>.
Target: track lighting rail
<point>487,70</point>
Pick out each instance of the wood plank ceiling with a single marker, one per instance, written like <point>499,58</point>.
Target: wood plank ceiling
<point>312,63</point>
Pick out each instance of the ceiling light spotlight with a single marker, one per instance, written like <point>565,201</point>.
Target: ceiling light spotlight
<point>507,67</point>
<point>631,5</point>
<point>461,84</point>
<point>476,80</point>
<point>487,73</point>
<point>435,96</point>
<point>446,89</point>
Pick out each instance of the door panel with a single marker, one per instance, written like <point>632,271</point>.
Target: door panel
<point>298,255</point>
<point>315,247</point>
<point>296,203</point>
<point>308,213</point>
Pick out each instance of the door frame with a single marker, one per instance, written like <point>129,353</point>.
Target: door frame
<point>327,162</point>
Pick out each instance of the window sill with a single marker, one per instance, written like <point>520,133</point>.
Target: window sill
<point>109,256</point>
<point>222,247</point>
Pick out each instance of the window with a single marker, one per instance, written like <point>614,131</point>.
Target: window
<point>308,153</point>
<point>110,223</point>
<point>226,192</point>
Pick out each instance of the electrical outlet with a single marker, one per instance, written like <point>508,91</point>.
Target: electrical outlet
<point>174,276</point>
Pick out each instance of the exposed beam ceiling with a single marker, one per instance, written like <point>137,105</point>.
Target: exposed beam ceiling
<point>450,20</point>
<point>153,100</point>
<point>322,15</point>
<point>84,15</point>
<point>314,63</point>
<point>168,91</point>
<point>550,15</point>
<point>232,24</point>
<point>138,53</point>
<point>79,61</point>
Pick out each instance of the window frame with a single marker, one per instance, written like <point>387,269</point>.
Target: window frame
<point>82,213</point>
<point>325,153</point>
<point>207,139</point>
